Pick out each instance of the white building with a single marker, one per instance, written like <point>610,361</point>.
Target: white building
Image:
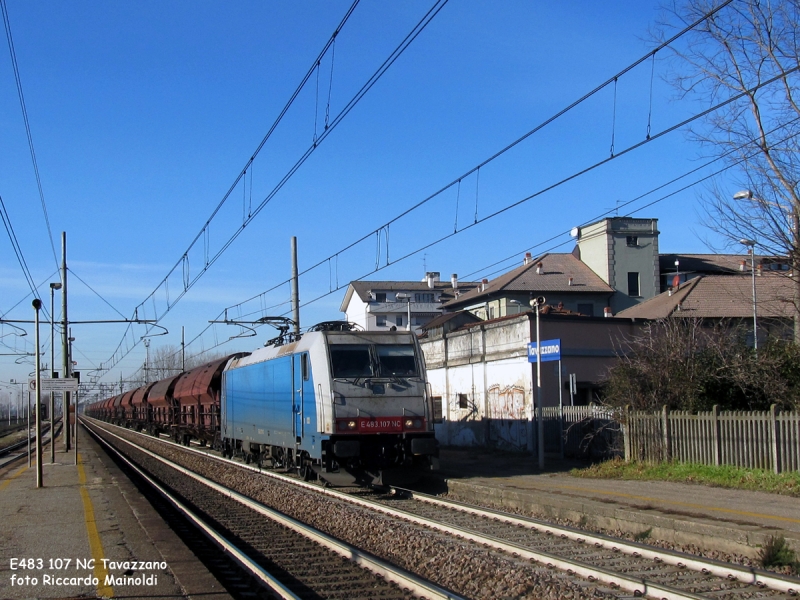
<point>381,305</point>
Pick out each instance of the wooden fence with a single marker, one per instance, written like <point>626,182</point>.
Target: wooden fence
<point>761,440</point>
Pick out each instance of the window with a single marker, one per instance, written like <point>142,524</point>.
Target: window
<point>304,365</point>
<point>428,297</point>
<point>632,240</point>
<point>463,401</point>
<point>398,320</point>
<point>396,360</point>
<point>380,296</point>
<point>586,309</point>
<point>438,413</point>
<point>380,320</point>
<point>633,284</point>
<point>351,360</point>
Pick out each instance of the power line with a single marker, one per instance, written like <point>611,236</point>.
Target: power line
<point>183,263</point>
<point>24,109</point>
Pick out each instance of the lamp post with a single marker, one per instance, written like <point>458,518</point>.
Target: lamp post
<point>751,245</point>
<point>53,288</point>
<point>37,305</point>
<point>535,304</point>
<point>146,359</point>
<point>407,298</point>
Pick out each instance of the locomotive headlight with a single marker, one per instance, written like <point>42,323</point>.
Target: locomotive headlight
<point>409,423</point>
<point>351,424</point>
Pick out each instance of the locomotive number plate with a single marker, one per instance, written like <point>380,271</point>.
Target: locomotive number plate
<point>380,424</point>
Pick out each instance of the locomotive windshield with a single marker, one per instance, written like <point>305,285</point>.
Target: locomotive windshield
<point>396,360</point>
<point>351,360</point>
<point>368,361</point>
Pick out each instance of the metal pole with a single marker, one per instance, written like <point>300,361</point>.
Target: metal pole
<point>53,288</point>
<point>539,423</point>
<point>183,349</point>
<point>560,410</point>
<point>37,304</point>
<point>295,289</point>
<point>72,339</point>
<point>28,402</point>
<point>755,317</point>
<point>64,341</point>
<point>409,312</point>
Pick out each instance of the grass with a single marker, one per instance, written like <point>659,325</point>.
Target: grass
<point>776,553</point>
<point>729,477</point>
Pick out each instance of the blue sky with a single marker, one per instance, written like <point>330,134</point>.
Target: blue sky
<point>143,114</point>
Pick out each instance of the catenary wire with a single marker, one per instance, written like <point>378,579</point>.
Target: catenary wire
<point>24,109</point>
<point>398,51</point>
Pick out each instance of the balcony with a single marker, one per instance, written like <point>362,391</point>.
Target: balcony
<point>402,307</point>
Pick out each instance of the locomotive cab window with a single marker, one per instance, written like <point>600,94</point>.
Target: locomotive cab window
<point>350,360</point>
<point>397,360</point>
<point>304,365</point>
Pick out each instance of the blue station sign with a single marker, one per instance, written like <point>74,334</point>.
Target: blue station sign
<point>551,350</point>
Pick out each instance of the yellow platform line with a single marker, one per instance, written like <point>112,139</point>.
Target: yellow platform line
<point>9,479</point>
<point>95,545</point>
<point>731,511</point>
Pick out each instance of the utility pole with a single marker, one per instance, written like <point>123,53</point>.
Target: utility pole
<point>64,340</point>
<point>295,287</point>
<point>53,288</point>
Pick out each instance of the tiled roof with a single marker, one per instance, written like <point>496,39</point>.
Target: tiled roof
<point>711,264</point>
<point>554,277</point>
<point>720,296</point>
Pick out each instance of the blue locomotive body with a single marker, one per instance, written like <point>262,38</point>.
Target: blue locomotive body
<point>346,406</point>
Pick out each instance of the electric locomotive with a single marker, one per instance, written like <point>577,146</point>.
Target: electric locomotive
<point>347,406</point>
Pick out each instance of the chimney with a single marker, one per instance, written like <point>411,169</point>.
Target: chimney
<point>539,270</point>
<point>484,283</point>
<point>570,281</point>
<point>454,280</point>
<point>607,312</point>
<point>528,258</point>
<point>742,265</point>
<point>430,280</point>
<point>758,270</point>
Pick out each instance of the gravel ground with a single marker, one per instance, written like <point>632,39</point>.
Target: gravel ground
<point>465,568</point>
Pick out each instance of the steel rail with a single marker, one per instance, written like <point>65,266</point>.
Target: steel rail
<point>401,577</point>
<point>730,571</point>
<point>746,575</point>
<point>275,586</point>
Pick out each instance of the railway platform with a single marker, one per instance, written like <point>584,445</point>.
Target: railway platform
<point>711,518</point>
<point>87,523</point>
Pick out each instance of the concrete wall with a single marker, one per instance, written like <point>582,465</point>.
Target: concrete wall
<point>486,383</point>
<point>604,248</point>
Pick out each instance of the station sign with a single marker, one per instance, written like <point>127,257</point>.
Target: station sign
<point>51,384</point>
<point>551,350</point>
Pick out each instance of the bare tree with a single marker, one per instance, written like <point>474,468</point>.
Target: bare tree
<point>692,364</point>
<point>749,53</point>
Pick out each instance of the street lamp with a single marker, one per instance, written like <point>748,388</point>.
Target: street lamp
<point>536,303</point>
<point>751,245</point>
<point>407,297</point>
<point>516,303</point>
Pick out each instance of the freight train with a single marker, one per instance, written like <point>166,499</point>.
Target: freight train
<point>336,404</point>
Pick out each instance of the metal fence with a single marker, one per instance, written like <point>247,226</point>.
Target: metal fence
<point>753,439</point>
<point>592,432</point>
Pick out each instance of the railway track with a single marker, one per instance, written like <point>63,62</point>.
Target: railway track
<point>291,559</point>
<point>604,565</point>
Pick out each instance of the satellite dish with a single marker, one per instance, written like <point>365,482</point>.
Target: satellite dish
<point>575,232</point>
